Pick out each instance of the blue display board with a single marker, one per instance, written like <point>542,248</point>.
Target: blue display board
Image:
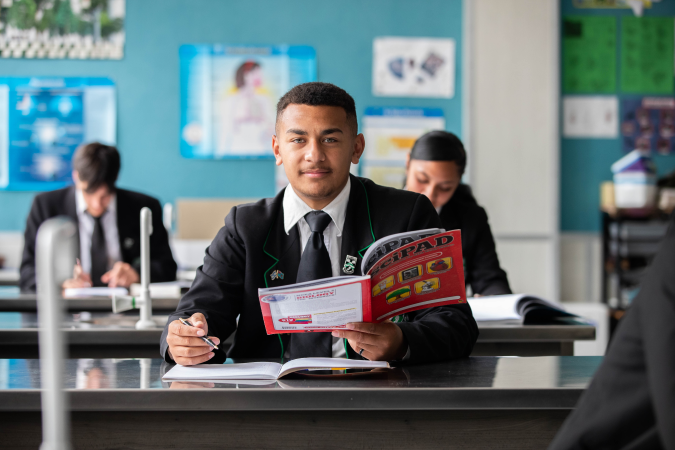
<point>229,96</point>
<point>42,122</point>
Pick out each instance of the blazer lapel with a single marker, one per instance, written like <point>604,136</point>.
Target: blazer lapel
<point>357,233</point>
<point>282,251</point>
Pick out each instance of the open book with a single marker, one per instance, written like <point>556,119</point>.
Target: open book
<point>527,308</point>
<point>405,272</point>
<point>264,370</point>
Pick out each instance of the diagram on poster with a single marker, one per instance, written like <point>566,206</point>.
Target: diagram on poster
<point>42,122</point>
<point>414,67</point>
<point>229,96</point>
<point>390,134</point>
<point>648,124</point>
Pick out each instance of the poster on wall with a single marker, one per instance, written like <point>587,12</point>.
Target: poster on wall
<point>43,120</point>
<point>390,134</point>
<point>648,124</point>
<point>58,29</point>
<point>229,96</point>
<point>594,116</point>
<point>414,67</point>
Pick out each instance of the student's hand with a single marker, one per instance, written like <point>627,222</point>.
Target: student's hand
<point>80,279</point>
<point>122,274</point>
<point>379,341</point>
<point>185,347</point>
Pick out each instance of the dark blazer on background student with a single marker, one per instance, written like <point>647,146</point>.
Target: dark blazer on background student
<point>481,264</point>
<point>630,404</point>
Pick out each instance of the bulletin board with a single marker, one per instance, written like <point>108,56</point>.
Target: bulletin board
<point>609,56</point>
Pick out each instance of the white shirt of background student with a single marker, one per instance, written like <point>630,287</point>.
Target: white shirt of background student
<point>101,202</point>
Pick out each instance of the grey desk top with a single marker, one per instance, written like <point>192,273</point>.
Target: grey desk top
<point>550,382</point>
<point>13,301</point>
<point>98,328</point>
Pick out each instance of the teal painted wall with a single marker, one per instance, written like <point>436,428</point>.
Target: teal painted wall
<point>585,163</point>
<point>148,84</point>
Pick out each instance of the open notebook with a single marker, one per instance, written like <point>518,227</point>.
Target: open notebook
<point>529,309</point>
<point>264,370</point>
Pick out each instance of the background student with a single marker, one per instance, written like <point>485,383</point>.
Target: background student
<point>108,222</point>
<point>435,167</point>
<point>322,219</point>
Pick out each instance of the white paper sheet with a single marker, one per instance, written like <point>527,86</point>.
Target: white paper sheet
<point>94,292</point>
<point>245,371</point>
<point>496,307</point>
<point>590,117</point>
<point>414,67</point>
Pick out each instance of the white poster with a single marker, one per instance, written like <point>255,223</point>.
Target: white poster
<point>413,67</point>
<point>591,117</point>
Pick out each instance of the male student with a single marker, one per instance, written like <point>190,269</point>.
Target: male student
<point>307,232</point>
<point>630,404</point>
<point>108,220</point>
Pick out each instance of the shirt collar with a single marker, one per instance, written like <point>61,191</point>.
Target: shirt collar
<point>81,205</point>
<point>295,208</point>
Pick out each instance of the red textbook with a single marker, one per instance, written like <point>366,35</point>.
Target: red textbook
<point>404,273</point>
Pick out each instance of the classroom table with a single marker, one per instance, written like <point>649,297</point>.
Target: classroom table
<point>103,334</point>
<point>16,301</point>
<point>9,277</point>
<point>476,402</point>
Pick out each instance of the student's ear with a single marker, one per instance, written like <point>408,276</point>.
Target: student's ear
<point>407,162</point>
<point>277,153</point>
<point>359,147</point>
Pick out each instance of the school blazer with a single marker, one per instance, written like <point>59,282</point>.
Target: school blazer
<point>253,244</point>
<point>481,264</point>
<point>129,204</point>
<point>630,404</point>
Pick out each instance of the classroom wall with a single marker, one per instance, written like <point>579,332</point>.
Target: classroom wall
<point>148,82</point>
<point>585,163</point>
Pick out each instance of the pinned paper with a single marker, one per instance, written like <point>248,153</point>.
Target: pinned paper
<point>414,67</point>
<point>590,117</point>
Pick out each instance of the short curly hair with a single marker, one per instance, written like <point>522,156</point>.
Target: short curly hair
<point>317,93</point>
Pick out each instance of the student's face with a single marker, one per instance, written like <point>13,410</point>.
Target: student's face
<point>316,145</point>
<point>97,201</point>
<point>438,180</point>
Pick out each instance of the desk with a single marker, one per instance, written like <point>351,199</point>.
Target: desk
<point>477,402</point>
<point>99,334</point>
<point>15,301</point>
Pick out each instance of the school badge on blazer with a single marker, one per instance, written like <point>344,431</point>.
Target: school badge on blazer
<point>277,275</point>
<point>350,265</point>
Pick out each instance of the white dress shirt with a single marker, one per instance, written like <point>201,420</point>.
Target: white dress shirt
<point>295,210</point>
<point>86,225</point>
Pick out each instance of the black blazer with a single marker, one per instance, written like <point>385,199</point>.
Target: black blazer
<point>481,264</point>
<point>253,243</point>
<point>630,404</point>
<point>62,203</point>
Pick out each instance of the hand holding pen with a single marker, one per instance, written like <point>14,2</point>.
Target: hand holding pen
<point>80,278</point>
<point>188,341</point>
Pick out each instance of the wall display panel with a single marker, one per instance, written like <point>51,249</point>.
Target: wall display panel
<point>647,55</point>
<point>229,96</point>
<point>43,120</point>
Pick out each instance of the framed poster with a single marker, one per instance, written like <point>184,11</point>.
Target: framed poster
<point>229,96</point>
<point>43,120</point>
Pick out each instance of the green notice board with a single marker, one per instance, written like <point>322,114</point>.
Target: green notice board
<point>647,55</point>
<point>589,54</point>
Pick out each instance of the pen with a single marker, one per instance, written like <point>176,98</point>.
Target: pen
<point>203,338</point>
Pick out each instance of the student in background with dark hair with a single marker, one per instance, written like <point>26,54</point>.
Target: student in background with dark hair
<point>324,218</point>
<point>108,222</point>
<point>435,167</point>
